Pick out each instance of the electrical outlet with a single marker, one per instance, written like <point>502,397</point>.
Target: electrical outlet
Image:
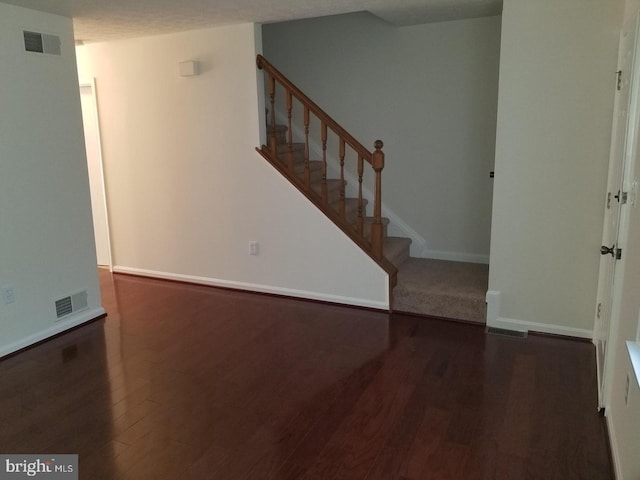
<point>8,295</point>
<point>254,248</point>
<point>626,390</point>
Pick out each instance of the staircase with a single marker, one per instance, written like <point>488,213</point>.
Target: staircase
<point>292,157</point>
<point>344,180</point>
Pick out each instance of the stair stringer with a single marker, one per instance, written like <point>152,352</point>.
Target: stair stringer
<point>397,226</point>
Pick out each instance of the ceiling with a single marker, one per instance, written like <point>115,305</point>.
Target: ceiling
<point>104,20</point>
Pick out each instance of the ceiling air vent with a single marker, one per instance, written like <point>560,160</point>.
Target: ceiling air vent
<point>71,304</point>
<point>41,43</point>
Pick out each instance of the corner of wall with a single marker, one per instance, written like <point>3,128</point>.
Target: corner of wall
<point>493,307</point>
<point>495,320</point>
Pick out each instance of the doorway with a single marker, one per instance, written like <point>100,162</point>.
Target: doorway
<point>96,173</point>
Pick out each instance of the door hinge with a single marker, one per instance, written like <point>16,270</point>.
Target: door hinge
<point>622,197</point>
<point>599,311</point>
<point>619,80</point>
<point>608,200</point>
<point>618,253</point>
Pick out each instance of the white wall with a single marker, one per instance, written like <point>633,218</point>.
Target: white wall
<point>430,93</point>
<point>631,8</point>
<point>554,121</point>
<point>45,218</point>
<point>186,189</point>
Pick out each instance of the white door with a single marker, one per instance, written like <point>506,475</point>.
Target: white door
<point>621,133</point>
<point>625,316</point>
<point>96,178</point>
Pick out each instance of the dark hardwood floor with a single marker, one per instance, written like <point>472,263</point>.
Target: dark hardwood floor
<point>189,382</point>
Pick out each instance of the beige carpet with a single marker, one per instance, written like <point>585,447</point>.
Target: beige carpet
<point>440,288</point>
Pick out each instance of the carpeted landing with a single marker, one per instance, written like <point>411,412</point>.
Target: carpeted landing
<point>444,289</point>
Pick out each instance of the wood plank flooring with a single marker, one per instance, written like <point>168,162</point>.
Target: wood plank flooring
<point>189,382</point>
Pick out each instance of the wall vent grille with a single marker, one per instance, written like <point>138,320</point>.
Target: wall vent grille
<point>71,304</point>
<point>64,307</point>
<point>41,43</point>
<point>507,333</point>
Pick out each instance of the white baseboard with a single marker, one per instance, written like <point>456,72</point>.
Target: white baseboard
<point>496,321</point>
<point>456,256</point>
<point>526,326</point>
<point>59,327</point>
<point>252,287</point>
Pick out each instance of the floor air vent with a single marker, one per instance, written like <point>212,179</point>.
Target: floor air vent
<point>506,333</point>
<point>41,43</point>
<point>71,304</point>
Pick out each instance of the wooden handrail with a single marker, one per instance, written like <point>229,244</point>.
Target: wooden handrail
<point>263,64</point>
<point>374,246</point>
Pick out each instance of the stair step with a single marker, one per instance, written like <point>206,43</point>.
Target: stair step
<point>333,188</point>
<point>297,150</point>
<point>442,289</point>
<point>396,249</point>
<point>281,133</point>
<point>315,170</point>
<point>366,226</point>
<point>298,163</point>
<point>351,208</point>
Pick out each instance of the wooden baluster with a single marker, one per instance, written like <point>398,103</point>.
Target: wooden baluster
<point>323,133</point>
<point>272,127</point>
<point>360,221</point>
<point>307,171</point>
<point>342,193</point>
<point>377,161</point>
<point>289,132</point>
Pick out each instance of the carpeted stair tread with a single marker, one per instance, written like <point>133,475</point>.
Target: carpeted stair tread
<point>333,188</point>
<point>315,168</point>
<point>366,227</point>
<point>396,249</point>
<point>280,131</point>
<point>297,151</point>
<point>441,288</point>
<point>350,207</point>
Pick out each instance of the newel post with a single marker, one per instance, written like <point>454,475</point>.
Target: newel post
<point>377,161</point>
<point>271,122</point>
